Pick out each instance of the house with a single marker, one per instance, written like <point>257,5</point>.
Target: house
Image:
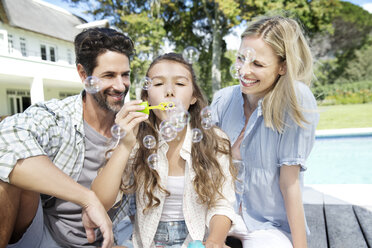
<point>37,59</point>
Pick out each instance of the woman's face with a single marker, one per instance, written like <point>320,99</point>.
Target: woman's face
<point>171,82</point>
<point>258,74</point>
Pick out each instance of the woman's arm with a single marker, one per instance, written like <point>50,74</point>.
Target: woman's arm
<point>290,188</point>
<point>107,183</point>
<point>219,226</point>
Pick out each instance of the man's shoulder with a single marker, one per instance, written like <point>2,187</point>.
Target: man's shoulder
<point>67,106</point>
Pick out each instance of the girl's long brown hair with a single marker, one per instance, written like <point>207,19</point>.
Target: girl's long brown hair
<point>209,176</point>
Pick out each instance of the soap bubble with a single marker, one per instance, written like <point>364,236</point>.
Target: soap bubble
<point>153,161</point>
<point>190,54</point>
<point>207,123</point>
<point>163,123</point>
<point>92,84</point>
<point>247,55</point>
<point>234,70</point>
<point>168,132</point>
<point>149,141</point>
<point>179,120</point>
<point>117,132</point>
<point>206,113</point>
<point>197,135</point>
<point>146,83</point>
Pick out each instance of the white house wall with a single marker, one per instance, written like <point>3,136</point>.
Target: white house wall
<point>43,79</point>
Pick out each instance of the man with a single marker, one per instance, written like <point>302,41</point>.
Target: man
<point>55,148</point>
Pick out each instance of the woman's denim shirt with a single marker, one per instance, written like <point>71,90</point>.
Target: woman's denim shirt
<point>263,152</point>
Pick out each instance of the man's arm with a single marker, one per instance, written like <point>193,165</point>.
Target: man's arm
<point>39,174</point>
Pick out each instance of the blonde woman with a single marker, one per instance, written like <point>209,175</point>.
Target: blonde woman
<point>270,118</point>
<point>189,195</point>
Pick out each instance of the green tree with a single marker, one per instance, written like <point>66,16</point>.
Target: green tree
<point>202,24</point>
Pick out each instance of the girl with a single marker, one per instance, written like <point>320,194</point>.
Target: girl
<point>189,195</point>
<point>270,119</point>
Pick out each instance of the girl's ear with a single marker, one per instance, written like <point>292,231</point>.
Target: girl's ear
<point>193,101</point>
<point>283,68</point>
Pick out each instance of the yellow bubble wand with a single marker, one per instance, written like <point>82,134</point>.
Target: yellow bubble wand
<point>162,106</point>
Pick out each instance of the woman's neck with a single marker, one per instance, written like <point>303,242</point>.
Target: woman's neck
<point>250,104</point>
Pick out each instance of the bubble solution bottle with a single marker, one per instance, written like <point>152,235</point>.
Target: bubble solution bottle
<point>196,244</point>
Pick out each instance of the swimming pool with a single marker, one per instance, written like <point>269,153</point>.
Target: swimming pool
<point>340,159</point>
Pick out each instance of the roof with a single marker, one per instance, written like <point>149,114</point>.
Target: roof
<point>41,17</point>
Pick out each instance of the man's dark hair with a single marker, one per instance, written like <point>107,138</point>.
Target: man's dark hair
<point>93,42</point>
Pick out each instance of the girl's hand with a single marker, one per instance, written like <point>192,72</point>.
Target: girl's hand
<point>128,119</point>
<point>213,244</point>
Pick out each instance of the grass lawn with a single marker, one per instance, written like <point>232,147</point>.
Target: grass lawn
<point>345,116</point>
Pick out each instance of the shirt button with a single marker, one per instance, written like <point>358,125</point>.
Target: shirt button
<point>171,223</point>
<point>243,145</point>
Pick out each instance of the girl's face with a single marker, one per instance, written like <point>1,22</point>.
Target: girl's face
<point>257,76</point>
<point>171,82</point>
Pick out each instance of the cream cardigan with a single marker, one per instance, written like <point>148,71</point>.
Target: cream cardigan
<point>197,216</point>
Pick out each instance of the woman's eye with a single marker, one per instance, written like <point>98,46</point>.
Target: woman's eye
<point>180,83</point>
<point>257,64</point>
<point>240,58</point>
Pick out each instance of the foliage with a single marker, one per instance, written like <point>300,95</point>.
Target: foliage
<point>348,93</point>
<point>201,24</point>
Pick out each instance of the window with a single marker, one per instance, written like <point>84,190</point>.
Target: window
<point>67,94</point>
<point>43,52</point>
<point>52,54</point>
<point>10,43</point>
<point>18,100</point>
<point>69,56</point>
<point>23,46</point>
<point>48,52</point>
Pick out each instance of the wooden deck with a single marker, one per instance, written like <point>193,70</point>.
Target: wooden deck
<point>335,223</point>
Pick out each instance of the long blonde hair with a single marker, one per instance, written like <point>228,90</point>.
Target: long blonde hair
<point>285,36</point>
<point>209,176</point>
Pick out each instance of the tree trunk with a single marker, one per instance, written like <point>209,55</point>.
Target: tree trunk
<point>216,57</point>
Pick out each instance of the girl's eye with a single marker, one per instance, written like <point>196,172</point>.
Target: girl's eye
<point>157,83</point>
<point>180,83</point>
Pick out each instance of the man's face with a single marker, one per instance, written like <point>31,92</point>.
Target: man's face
<point>114,73</point>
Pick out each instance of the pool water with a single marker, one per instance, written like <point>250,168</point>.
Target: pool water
<point>340,160</point>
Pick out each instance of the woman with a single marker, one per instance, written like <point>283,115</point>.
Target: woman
<point>189,194</point>
<point>270,119</point>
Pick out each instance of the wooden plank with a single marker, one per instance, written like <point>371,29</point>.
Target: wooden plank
<point>364,216</point>
<point>343,228</point>
<point>315,221</point>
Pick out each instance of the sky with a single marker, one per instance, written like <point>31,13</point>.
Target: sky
<point>232,39</point>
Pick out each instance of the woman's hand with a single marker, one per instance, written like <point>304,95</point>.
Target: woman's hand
<point>128,118</point>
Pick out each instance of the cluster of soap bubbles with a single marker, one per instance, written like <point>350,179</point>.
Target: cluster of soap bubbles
<point>246,56</point>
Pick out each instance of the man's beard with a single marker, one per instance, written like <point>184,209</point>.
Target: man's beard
<point>101,99</point>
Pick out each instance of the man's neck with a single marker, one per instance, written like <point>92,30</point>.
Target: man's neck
<point>98,118</point>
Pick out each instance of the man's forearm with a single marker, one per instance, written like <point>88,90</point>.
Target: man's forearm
<point>39,174</point>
